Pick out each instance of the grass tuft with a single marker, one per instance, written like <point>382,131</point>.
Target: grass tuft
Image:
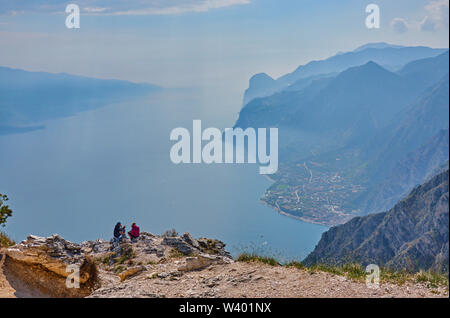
<point>296,264</point>
<point>433,280</point>
<point>175,253</point>
<point>250,258</point>
<point>5,240</point>
<point>356,272</point>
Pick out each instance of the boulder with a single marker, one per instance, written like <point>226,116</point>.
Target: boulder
<point>131,272</point>
<point>180,244</point>
<point>202,261</point>
<point>187,237</point>
<point>98,247</point>
<point>211,246</point>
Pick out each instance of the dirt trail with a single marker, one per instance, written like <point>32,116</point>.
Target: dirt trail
<point>242,280</point>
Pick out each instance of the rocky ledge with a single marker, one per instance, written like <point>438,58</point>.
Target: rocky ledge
<point>170,266</point>
<point>41,266</point>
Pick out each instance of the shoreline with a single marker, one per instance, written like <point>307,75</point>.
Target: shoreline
<point>269,178</point>
<point>298,218</point>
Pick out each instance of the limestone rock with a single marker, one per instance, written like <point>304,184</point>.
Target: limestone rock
<point>190,240</point>
<point>211,246</point>
<point>46,264</point>
<point>202,261</point>
<point>53,253</point>
<point>131,272</point>
<point>181,245</point>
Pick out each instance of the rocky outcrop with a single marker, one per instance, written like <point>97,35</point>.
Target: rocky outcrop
<point>41,265</point>
<point>149,268</point>
<point>202,261</point>
<point>187,245</point>
<point>413,235</point>
<point>45,264</point>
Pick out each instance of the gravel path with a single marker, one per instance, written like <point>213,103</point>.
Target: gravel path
<point>254,280</point>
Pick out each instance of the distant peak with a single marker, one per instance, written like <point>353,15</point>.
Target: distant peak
<point>375,66</point>
<point>261,79</point>
<point>377,45</point>
<point>372,64</point>
<point>370,69</point>
<point>261,76</point>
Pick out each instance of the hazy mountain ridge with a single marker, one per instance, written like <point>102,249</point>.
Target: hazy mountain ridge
<point>426,71</point>
<point>380,53</point>
<point>28,98</point>
<point>414,169</point>
<point>413,235</point>
<point>409,129</point>
<point>367,126</point>
<point>352,105</point>
<point>358,101</point>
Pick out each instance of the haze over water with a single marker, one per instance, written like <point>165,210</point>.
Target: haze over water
<point>82,174</point>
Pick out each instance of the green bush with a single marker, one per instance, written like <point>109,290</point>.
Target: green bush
<point>5,240</point>
<point>5,211</point>
<point>249,258</point>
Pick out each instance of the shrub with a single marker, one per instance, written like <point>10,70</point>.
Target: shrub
<point>5,211</point>
<point>249,258</point>
<point>432,279</point>
<point>170,233</point>
<point>296,264</point>
<point>175,253</point>
<point>5,240</point>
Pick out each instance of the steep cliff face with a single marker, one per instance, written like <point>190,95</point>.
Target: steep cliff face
<point>415,168</point>
<point>413,235</point>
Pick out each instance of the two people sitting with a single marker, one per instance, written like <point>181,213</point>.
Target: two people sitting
<point>119,232</point>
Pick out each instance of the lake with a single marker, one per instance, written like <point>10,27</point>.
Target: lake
<point>82,174</point>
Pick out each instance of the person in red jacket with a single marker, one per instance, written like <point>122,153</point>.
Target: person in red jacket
<point>134,233</point>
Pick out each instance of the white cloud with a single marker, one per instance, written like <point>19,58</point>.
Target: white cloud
<point>119,7</point>
<point>190,6</point>
<point>94,10</point>
<point>427,24</point>
<point>436,18</point>
<point>400,25</point>
<point>438,12</point>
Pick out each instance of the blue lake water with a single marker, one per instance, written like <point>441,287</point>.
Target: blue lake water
<point>82,174</point>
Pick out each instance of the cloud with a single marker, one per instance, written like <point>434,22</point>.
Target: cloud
<point>427,24</point>
<point>400,25</point>
<point>438,13</point>
<point>184,7</point>
<point>436,18</point>
<point>118,7</point>
<point>94,10</point>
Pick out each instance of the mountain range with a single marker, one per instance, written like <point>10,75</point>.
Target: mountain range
<point>366,135</point>
<point>412,236</point>
<point>389,56</point>
<point>29,98</point>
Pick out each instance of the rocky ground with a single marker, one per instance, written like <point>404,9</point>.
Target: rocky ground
<point>169,266</point>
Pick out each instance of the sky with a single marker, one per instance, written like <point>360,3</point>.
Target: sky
<point>204,43</point>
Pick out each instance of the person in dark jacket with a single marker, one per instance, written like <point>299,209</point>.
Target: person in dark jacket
<point>119,231</point>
